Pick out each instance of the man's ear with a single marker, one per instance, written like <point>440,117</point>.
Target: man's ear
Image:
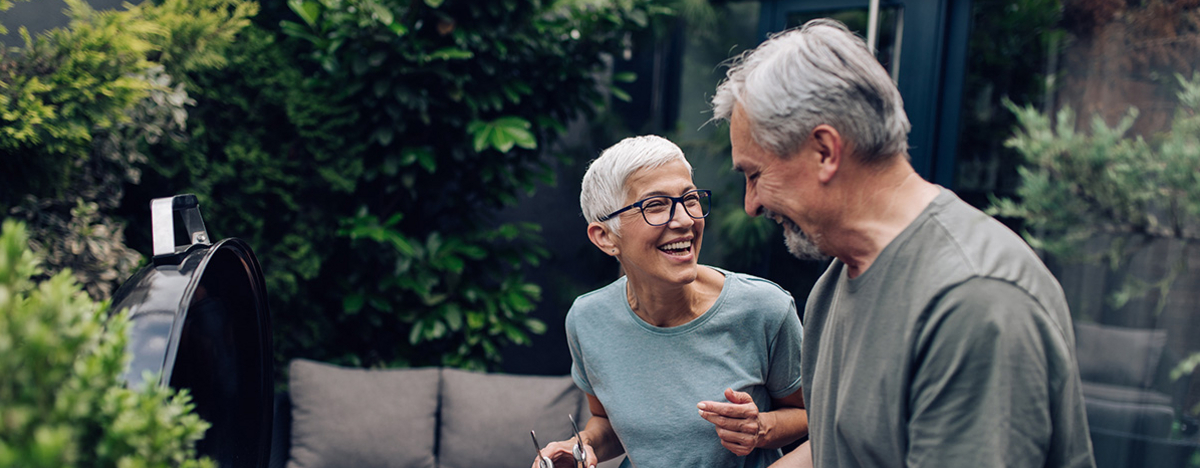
<point>603,238</point>
<point>828,144</point>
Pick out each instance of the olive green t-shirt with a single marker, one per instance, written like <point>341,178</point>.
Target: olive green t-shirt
<point>954,349</point>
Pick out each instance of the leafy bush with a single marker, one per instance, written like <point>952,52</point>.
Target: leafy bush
<point>1077,186</point>
<point>78,106</point>
<point>62,402</point>
<point>364,148</point>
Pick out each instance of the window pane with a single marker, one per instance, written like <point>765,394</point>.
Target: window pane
<point>1084,117</point>
<point>891,21</point>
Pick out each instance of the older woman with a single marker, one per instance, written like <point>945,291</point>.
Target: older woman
<point>683,364</point>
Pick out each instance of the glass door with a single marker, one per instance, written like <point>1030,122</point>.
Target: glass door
<point>930,37</point>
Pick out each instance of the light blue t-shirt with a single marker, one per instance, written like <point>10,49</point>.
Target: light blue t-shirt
<point>649,379</point>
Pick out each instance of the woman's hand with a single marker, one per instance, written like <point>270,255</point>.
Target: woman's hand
<point>560,454</point>
<point>743,428</point>
<point>738,422</point>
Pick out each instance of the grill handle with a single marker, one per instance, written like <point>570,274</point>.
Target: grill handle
<point>162,223</point>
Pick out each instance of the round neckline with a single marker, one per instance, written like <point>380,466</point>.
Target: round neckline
<point>854,284</point>
<point>686,327</point>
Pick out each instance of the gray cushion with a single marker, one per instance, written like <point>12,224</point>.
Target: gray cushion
<point>1138,418</point>
<point>1118,355</point>
<point>486,418</point>
<point>1125,394</point>
<point>344,417</point>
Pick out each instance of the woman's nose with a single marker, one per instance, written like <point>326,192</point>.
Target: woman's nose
<point>680,217</point>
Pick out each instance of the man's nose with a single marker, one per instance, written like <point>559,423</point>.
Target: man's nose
<point>753,207</point>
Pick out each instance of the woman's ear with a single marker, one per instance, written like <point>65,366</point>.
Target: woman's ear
<point>603,238</point>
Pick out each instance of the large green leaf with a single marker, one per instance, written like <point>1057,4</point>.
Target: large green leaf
<point>308,10</point>
<point>502,134</point>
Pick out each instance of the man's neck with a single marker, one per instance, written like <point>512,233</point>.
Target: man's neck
<point>879,205</point>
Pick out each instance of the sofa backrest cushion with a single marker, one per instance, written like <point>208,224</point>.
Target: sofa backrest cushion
<point>1119,355</point>
<point>343,417</point>
<point>486,418</point>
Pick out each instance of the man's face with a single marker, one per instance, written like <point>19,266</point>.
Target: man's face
<point>776,188</point>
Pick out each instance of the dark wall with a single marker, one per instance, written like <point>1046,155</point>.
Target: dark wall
<point>40,15</point>
<point>575,265</point>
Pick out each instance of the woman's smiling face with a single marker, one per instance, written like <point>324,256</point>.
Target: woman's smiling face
<point>669,252</point>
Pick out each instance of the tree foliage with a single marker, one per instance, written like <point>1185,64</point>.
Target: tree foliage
<point>78,108</point>
<point>62,401</point>
<point>364,148</point>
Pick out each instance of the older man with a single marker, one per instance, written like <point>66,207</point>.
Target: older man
<point>936,337</point>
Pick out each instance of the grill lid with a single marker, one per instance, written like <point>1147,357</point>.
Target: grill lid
<point>199,321</point>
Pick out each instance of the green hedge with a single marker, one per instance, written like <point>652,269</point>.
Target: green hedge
<point>364,148</point>
<point>78,108</point>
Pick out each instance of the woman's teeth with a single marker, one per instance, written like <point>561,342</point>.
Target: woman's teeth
<point>676,246</point>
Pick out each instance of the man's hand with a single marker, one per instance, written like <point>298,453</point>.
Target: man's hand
<point>739,425</point>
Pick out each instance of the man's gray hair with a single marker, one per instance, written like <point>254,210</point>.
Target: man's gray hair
<point>818,74</point>
<point>603,190</point>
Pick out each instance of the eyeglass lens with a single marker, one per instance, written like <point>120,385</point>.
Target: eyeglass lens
<point>659,210</point>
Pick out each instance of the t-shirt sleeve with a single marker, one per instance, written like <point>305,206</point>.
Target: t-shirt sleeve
<point>783,374</point>
<point>979,395</point>
<point>578,370</point>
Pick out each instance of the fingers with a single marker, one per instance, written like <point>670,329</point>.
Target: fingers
<point>737,449</point>
<point>736,411</point>
<point>736,422</point>
<point>736,443</point>
<point>591,455</point>
<point>737,437</point>
<point>737,397</point>
<point>559,454</point>
<point>729,410</point>
<point>743,425</point>
<point>741,405</point>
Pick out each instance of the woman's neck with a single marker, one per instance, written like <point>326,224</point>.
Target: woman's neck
<point>670,305</point>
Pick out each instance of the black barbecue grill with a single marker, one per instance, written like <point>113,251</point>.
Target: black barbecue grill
<point>199,321</point>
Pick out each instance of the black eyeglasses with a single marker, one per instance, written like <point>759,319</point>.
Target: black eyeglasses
<point>660,209</point>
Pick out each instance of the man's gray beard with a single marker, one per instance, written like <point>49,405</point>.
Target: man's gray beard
<point>801,246</point>
<point>798,243</point>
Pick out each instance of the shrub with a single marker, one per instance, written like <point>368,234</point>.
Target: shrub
<point>62,402</point>
<point>365,149</point>
<point>78,108</point>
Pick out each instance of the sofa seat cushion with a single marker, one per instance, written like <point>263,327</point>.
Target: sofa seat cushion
<point>1123,394</point>
<point>1118,355</point>
<point>343,417</point>
<point>486,418</point>
<point>1139,419</point>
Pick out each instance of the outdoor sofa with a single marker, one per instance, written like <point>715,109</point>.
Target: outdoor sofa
<point>419,418</point>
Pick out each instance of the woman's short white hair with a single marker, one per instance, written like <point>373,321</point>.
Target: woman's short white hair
<point>603,190</point>
<point>820,73</point>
